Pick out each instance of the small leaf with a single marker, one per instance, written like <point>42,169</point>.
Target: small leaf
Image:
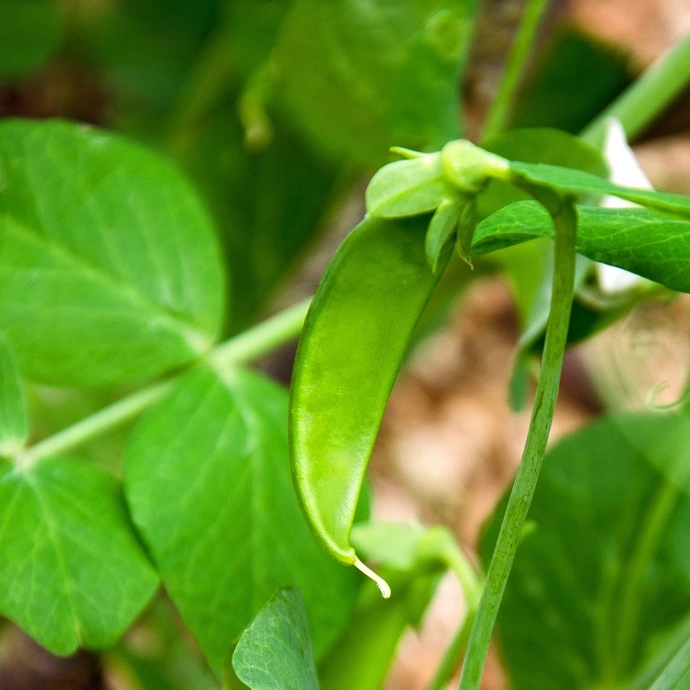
<point>407,188</point>
<point>578,182</point>
<point>110,269</point>
<point>207,477</point>
<point>441,228</point>
<point>274,652</point>
<point>13,422</point>
<point>650,244</point>
<point>467,224</point>
<point>72,572</point>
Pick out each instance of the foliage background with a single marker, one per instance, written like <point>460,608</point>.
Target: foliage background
<point>449,443</point>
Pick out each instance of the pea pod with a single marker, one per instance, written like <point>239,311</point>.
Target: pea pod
<point>352,345</point>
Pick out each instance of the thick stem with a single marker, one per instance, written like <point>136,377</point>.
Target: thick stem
<point>647,97</point>
<point>257,341</point>
<point>520,51</point>
<point>565,223</point>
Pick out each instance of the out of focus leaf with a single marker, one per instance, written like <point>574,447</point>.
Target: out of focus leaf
<point>31,32</point>
<point>604,576</point>
<point>387,73</point>
<point>13,422</point>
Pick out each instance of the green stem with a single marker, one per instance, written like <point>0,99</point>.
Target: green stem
<point>501,110</point>
<point>647,97</point>
<point>565,223</point>
<point>257,341</point>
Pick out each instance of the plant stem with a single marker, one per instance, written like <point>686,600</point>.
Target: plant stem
<point>647,97</point>
<point>256,341</point>
<point>520,50</point>
<point>565,223</point>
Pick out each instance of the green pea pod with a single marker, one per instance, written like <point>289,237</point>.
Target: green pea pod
<point>354,340</point>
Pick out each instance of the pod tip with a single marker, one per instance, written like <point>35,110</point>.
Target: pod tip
<point>383,586</point>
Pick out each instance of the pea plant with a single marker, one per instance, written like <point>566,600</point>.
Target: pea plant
<point>153,482</point>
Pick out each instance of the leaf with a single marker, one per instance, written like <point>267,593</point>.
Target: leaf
<point>578,182</point>
<point>676,675</point>
<point>72,572</point>
<point>442,227</point>
<point>30,34</point>
<point>604,574</point>
<point>13,422</point>
<point>110,269</point>
<point>274,652</point>
<point>258,200</point>
<point>650,244</point>
<point>387,73</point>
<point>575,78</point>
<point>208,481</point>
<point>408,188</point>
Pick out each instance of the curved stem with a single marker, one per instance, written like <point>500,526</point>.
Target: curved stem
<point>257,341</point>
<point>565,223</point>
<point>520,50</point>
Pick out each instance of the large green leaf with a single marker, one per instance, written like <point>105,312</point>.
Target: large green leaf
<point>30,34</point>
<point>361,77</point>
<point>274,652</point>
<point>603,574</point>
<point>72,572</point>
<point>650,244</point>
<point>208,482</point>
<point>13,421</point>
<point>109,268</point>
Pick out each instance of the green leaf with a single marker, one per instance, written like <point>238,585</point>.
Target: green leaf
<point>13,421</point>
<point>408,188</point>
<point>110,269</point>
<point>30,34</point>
<point>575,79</point>
<point>208,480</point>
<point>650,244</point>
<point>387,73</point>
<point>578,182</point>
<point>72,572</point>
<point>603,575</point>
<point>264,217</point>
<point>442,227</point>
<point>274,652</point>
<point>676,675</point>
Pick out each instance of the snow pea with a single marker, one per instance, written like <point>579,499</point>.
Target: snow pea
<point>353,343</point>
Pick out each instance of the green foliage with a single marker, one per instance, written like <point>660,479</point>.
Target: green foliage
<point>603,570</point>
<point>13,422</point>
<point>274,652</point>
<point>74,574</point>
<point>30,34</point>
<point>387,74</point>
<point>110,267</point>
<point>650,244</point>
<point>112,273</point>
<point>213,499</point>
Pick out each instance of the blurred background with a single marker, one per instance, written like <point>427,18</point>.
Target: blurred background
<point>248,97</point>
